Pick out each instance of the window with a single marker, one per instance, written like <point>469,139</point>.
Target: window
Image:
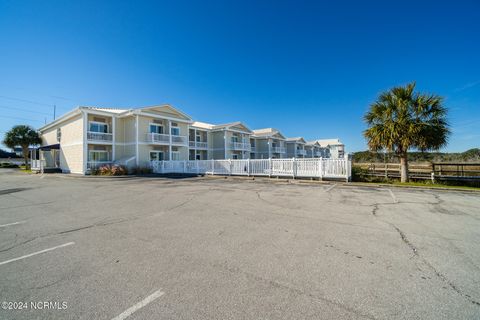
<point>175,155</point>
<point>156,128</point>
<point>234,139</point>
<point>198,157</point>
<point>98,155</point>
<point>98,127</point>
<point>156,156</point>
<point>198,138</point>
<point>235,156</point>
<point>175,131</point>
<point>59,134</point>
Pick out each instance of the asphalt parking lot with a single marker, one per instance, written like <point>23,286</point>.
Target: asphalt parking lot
<point>210,248</point>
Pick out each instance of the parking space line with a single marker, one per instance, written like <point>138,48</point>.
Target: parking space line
<point>11,224</point>
<point>330,188</point>
<point>38,252</point>
<point>393,196</point>
<point>157,294</point>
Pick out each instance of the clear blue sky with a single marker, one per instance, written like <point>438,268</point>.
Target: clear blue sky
<point>308,68</point>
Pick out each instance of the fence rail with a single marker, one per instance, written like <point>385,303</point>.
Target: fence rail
<point>426,171</point>
<point>302,168</point>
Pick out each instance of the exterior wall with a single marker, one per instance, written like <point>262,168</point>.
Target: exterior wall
<point>71,144</point>
<point>218,145</point>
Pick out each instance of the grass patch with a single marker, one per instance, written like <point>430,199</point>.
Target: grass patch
<point>429,184</point>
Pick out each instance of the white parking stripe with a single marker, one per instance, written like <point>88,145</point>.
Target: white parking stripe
<point>141,304</point>
<point>393,196</point>
<point>11,224</point>
<point>330,188</point>
<point>38,252</point>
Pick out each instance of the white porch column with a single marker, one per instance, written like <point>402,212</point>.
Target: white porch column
<point>137,160</point>
<point>113,137</point>
<point>85,145</point>
<point>170,140</point>
<point>269,148</point>
<point>225,143</point>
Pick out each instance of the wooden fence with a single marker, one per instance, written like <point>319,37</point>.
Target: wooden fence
<point>434,171</point>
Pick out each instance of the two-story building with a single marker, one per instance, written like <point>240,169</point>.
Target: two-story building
<point>88,137</point>
<point>268,143</point>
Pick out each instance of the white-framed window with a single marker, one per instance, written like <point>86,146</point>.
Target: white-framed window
<point>98,155</point>
<point>157,156</point>
<point>94,126</point>
<point>155,128</point>
<point>234,138</point>
<point>198,137</point>
<point>175,155</point>
<point>234,156</point>
<point>175,131</point>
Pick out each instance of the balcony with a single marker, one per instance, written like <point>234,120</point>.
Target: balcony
<point>301,152</point>
<point>318,153</point>
<point>242,146</point>
<point>99,136</point>
<point>180,140</point>
<point>157,138</point>
<point>198,145</point>
<point>278,150</point>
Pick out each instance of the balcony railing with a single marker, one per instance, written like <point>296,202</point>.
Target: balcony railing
<point>99,136</point>
<point>240,146</point>
<point>278,149</point>
<point>180,140</point>
<point>161,138</point>
<point>97,164</point>
<point>301,152</point>
<point>198,144</point>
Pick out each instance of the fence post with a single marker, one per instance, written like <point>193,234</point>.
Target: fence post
<point>184,166</point>
<point>294,167</point>
<point>269,167</point>
<point>347,167</point>
<point>213,167</point>
<point>433,177</point>
<point>248,167</point>
<point>320,168</point>
<point>229,167</point>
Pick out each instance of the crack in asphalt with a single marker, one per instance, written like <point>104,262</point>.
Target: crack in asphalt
<point>290,288</point>
<point>410,245</point>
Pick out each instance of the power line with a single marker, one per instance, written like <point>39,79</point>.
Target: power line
<point>25,110</point>
<point>17,118</point>
<point>28,101</point>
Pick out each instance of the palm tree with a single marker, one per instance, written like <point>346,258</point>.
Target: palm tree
<point>402,119</point>
<point>23,136</point>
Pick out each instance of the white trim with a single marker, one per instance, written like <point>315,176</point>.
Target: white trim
<point>146,114</point>
<point>85,145</point>
<point>63,118</point>
<point>137,161</point>
<point>156,125</point>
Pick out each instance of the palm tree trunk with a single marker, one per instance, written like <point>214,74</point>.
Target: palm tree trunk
<point>403,167</point>
<point>25,156</point>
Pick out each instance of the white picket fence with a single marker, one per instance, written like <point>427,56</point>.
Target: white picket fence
<point>292,167</point>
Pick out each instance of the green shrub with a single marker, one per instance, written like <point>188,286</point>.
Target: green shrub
<point>8,165</point>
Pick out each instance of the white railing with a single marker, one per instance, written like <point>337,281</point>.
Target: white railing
<point>99,136</point>
<point>180,140</point>
<point>305,168</point>
<point>198,144</point>
<point>279,150</point>
<point>302,152</point>
<point>152,137</point>
<point>97,164</point>
<point>240,146</point>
